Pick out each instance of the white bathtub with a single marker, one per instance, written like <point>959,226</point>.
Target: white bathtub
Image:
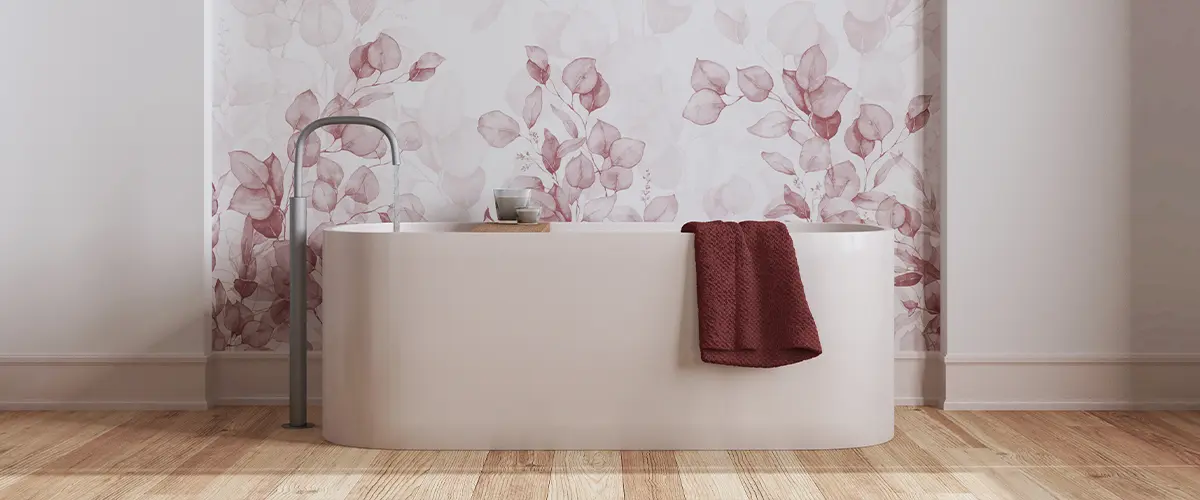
<point>586,338</point>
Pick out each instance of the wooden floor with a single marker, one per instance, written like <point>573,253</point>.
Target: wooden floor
<point>232,453</point>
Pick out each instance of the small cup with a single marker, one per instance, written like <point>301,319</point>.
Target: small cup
<point>529,215</point>
<point>509,200</point>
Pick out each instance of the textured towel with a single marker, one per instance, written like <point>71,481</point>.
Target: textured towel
<point>751,301</point>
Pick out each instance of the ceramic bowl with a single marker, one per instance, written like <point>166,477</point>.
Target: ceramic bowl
<point>529,215</point>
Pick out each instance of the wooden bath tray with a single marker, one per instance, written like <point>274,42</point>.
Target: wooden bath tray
<point>508,227</point>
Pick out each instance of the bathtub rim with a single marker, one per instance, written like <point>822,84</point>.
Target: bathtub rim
<point>591,228</point>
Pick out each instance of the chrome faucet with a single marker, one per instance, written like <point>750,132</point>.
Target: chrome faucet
<point>298,234</point>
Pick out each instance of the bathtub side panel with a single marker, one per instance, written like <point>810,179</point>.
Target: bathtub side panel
<point>587,340</point>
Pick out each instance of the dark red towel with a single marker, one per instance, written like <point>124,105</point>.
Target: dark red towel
<point>751,301</point>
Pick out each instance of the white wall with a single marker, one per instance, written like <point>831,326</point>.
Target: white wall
<point>105,200</point>
<point>1165,174</point>
<point>103,156</point>
<point>1037,207</point>
<point>1048,108</point>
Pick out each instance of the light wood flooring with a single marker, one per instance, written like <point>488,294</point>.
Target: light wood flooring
<point>234,453</point>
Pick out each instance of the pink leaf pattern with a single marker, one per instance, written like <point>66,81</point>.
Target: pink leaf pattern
<point>254,203</point>
<point>464,191</point>
<point>709,75</point>
<point>425,67</point>
<point>409,209</point>
<point>384,53</point>
<point>598,209</point>
<point>363,186</point>
<point>704,107</point>
<point>408,134</point>
<point>791,85</point>
<point>796,202</point>
<point>324,197</point>
<point>601,138</point>
<point>268,31</point>
<point>664,16</point>
<point>816,155</point>
<point>779,162</point>
<point>732,26</point>
<point>550,158</point>
<point>842,181</point>
<point>856,143</point>
<point>624,213</point>
<point>581,172</point>
<point>779,211</point>
<point>274,180</point>
<point>248,170</point>
<point>838,210</point>
<point>312,148</point>
<point>320,22</point>
<point>907,279</point>
<point>338,106</point>
<point>662,209</point>
<point>918,113</point>
<point>810,74</point>
<point>498,129</point>
<point>755,83</point>
<point>363,141</point>
<point>287,63</point>
<point>488,16</point>
<point>864,36</point>
<point>270,227</point>
<point>616,178</point>
<point>568,146</point>
<point>826,100</point>
<point>774,124</point>
<point>873,123</point>
<point>329,172</point>
<point>368,99</point>
<point>533,107</point>
<point>626,152</point>
<point>827,127</point>
<point>580,75</point>
<point>538,64</point>
<point>362,10</point>
<point>358,62</point>
<point>304,110</point>
<point>598,97</point>
<point>869,200</point>
<point>567,122</point>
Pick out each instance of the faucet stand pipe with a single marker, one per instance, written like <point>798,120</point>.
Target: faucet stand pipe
<point>298,288</point>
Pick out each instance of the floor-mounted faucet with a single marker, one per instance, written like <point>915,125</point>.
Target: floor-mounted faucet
<point>298,234</point>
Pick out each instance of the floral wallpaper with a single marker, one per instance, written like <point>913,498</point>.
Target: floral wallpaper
<point>611,110</point>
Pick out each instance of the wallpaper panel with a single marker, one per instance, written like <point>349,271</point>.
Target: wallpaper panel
<point>628,110</point>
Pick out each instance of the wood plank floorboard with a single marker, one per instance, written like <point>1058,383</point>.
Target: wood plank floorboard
<point>242,453</point>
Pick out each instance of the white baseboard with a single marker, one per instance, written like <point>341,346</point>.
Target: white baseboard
<point>919,378</point>
<point>970,382</point>
<point>1072,382</point>
<point>103,382</point>
<point>260,378</point>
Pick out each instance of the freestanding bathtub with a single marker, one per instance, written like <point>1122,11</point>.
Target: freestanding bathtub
<point>586,338</point>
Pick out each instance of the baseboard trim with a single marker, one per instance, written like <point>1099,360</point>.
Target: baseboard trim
<point>104,405</point>
<point>1084,381</point>
<point>241,378</point>
<point>260,378</point>
<point>118,381</point>
<point>1071,405</point>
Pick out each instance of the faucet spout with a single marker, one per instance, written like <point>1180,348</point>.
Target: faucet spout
<point>298,293</point>
<point>393,144</point>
